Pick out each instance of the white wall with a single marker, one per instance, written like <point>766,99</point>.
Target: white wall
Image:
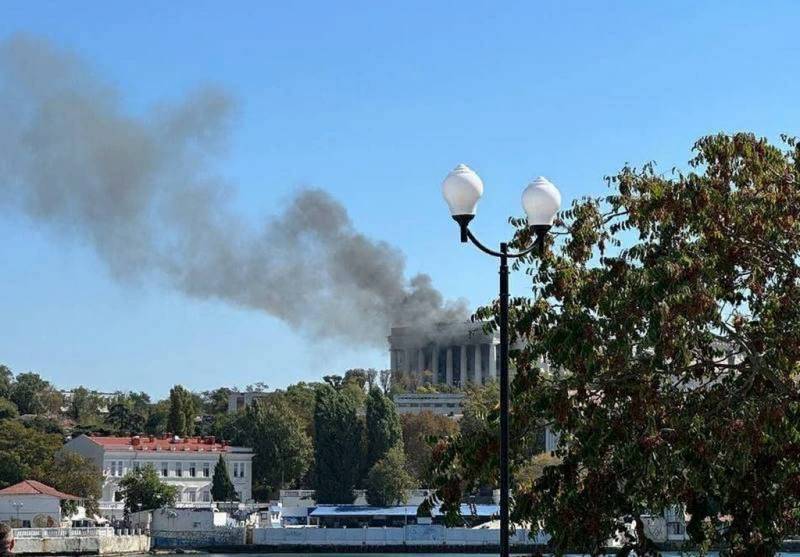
<point>183,520</point>
<point>41,510</point>
<point>409,535</point>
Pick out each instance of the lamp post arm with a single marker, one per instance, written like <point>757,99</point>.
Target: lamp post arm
<point>539,243</point>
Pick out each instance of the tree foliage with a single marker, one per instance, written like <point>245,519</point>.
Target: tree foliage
<point>6,380</point>
<point>182,412</point>
<point>384,431</point>
<point>125,419</point>
<point>33,395</point>
<point>8,409</point>
<point>25,452</point>
<point>669,310</point>
<point>83,404</point>
<point>142,489</point>
<point>282,449</point>
<point>418,432</point>
<point>29,454</point>
<point>76,475</point>
<point>388,479</point>
<point>222,488</point>
<point>337,445</point>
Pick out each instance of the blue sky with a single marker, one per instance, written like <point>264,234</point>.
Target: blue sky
<point>375,102</point>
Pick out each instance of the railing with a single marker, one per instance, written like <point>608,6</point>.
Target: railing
<point>194,504</point>
<point>297,493</point>
<point>91,532</point>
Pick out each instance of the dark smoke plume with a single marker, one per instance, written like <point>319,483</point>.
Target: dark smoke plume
<point>141,190</point>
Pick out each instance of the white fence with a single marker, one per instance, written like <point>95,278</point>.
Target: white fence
<point>28,533</point>
<point>408,535</point>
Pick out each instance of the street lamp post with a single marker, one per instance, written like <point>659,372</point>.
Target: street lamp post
<point>462,189</point>
<point>18,505</point>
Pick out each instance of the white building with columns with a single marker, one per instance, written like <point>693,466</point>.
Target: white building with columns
<point>186,463</point>
<point>452,354</point>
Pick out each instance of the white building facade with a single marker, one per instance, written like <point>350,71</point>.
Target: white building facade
<point>185,463</point>
<point>32,504</point>
<point>443,404</point>
<point>453,354</point>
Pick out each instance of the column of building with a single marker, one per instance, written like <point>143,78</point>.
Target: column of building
<point>464,375</point>
<point>477,369</point>
<point>449,367</point>
<point>435,363</point>
<point>493,361</point>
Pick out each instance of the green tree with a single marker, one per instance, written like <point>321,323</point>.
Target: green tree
<point>282,448</point>
<point>383,427</point>
<point>418,432</point>
<point>157,418</point>
<point>302,398</point>
<point>142,489</point>
<point>182,411</point>
<point>25,452</point>
<point>6,381</point>
<point>479,402</point>
<point>388,480</point>
<point>124,419</point>
<point>83,404</point>
<point>44,424</point>
<point>8,409</point>
<point>221,485</point>
<point>74,474</point>
<point>358,377</point>
<point>215,402</point>
<point>669,309</point>
<point>337,446</point>
<point>31,393</point>
<point>139,402</point>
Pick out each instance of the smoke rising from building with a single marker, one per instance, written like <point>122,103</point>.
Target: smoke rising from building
<point>141,190</point>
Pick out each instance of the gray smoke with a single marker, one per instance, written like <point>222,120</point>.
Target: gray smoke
<point>141,190</point>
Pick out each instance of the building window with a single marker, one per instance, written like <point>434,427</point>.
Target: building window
<point>116,468</point>
<point>470,371</point>
<point>179,469</point>
<point>206,496</point>
<point>136,465</point>
<point>206,470</point>
<point>238,469</point>
<point>164,469</point>
<point>193,470</point>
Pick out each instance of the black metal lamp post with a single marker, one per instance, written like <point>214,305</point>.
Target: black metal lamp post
<point>541,200</point>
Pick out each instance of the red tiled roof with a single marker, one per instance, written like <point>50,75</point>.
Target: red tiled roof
<point>145,443</point>
<point>32,487</point>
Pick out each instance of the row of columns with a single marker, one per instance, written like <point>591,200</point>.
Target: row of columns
<point>418,355</point>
